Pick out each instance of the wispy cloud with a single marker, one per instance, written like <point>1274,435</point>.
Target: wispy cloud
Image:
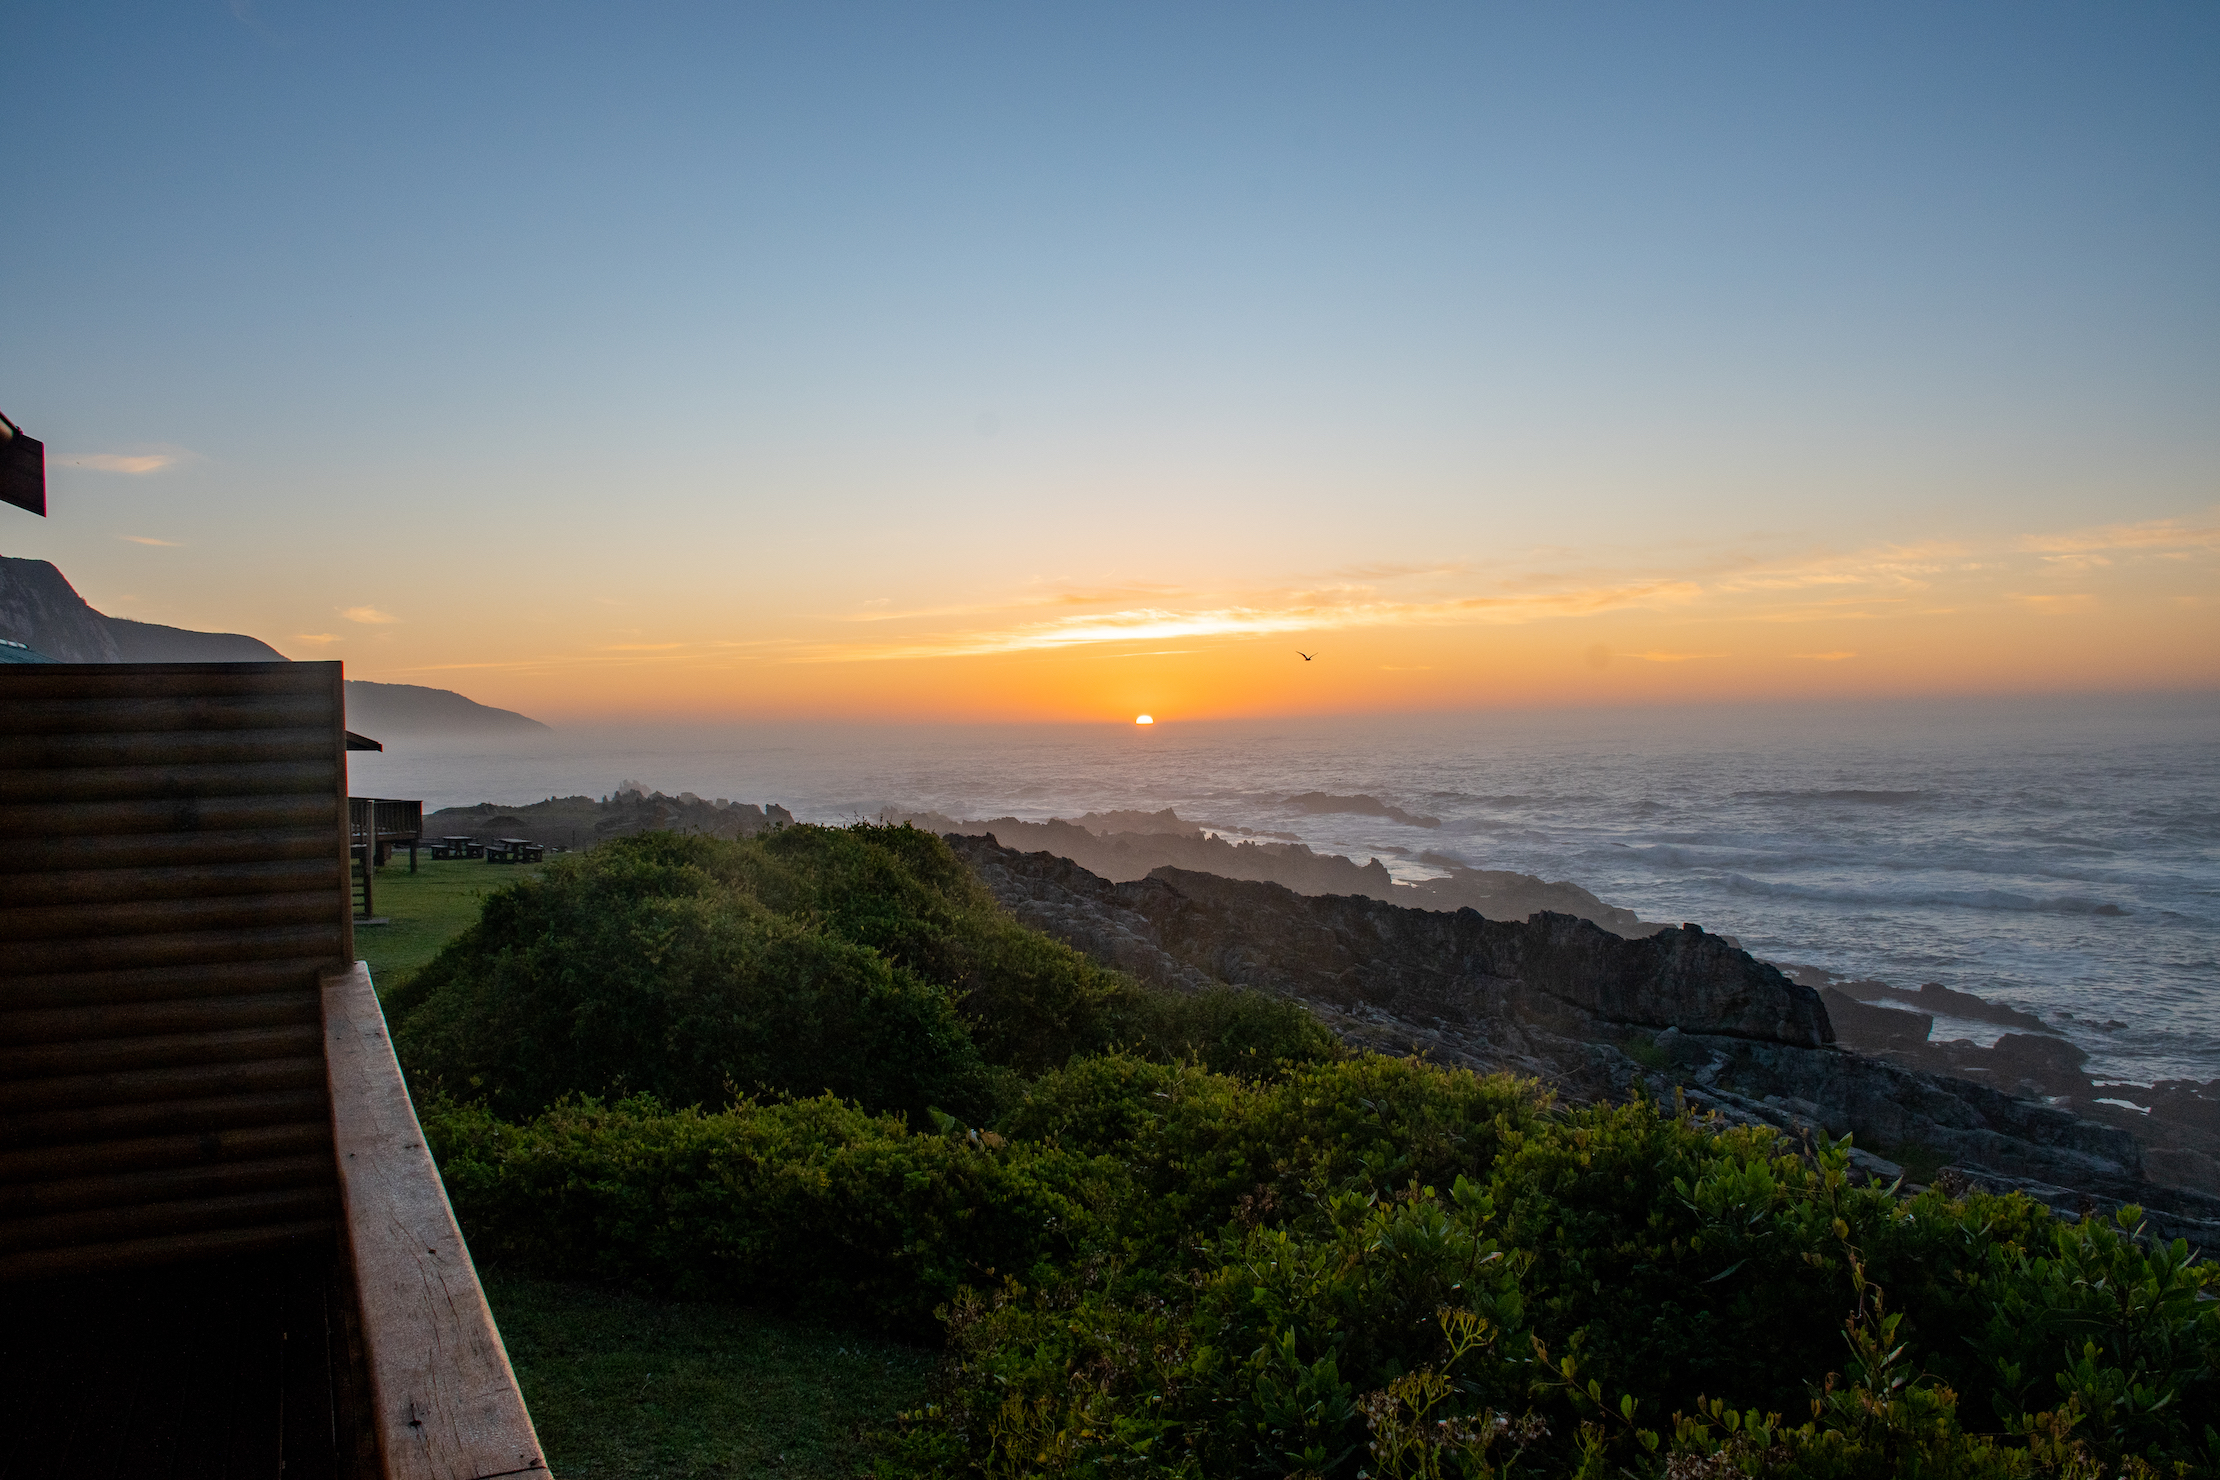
<point>2151,534</point>
<point>2061,604</point>
<point>1685,599</point>
<point>368,615</point>
<point>1291,612</point>
<point>135,463</point>
<point>147,539</point>
<point>316,639</point>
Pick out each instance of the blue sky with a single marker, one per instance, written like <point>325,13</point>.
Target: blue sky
<point>738,321</point>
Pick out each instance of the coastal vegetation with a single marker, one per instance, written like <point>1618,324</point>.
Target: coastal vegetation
<point>819,1074</point>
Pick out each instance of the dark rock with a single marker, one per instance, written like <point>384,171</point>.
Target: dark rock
<point>1159,839</point>
<point>1341,948</point>
<point>1564,1001</point>
<point>1867,1027</point>
<point>1932,997</point>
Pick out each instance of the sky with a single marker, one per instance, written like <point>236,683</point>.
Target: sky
<point>1046,362</point>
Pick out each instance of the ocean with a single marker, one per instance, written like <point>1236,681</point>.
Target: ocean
<point>2060,856</point>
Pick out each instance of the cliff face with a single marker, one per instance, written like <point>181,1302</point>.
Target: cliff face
<point>39,606</point>
<point>1421,962</point>
<point>1595,1016</point>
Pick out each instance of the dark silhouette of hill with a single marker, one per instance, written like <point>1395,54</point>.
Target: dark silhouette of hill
<point>411,709</point>
<point>39,606</point>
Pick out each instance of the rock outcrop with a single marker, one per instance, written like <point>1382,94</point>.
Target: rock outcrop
<point>1593,1015</point>
<point>1120,846</point>
<point>2175,1123</point>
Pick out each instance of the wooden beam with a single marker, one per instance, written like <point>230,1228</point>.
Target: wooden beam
<point>445,1403</point>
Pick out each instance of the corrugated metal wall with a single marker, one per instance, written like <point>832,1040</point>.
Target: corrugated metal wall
<point>173,877</point>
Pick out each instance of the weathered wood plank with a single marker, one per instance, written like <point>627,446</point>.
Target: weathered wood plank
<point>184,880</point>
<point>55,1128</point>
<point>134,682</point>
<point>152,1153</point>
<point>162,850</point>
<point>169,1248</point>
<point>104,715</point>
<point>281,1205</point>
<point>110,918</point>
<point>187,948</point>
<point>94,1054</point>
<point>66,989</point>
<point>165,814</point>
<point>164,1185</point>
<point>118,783</point>
<point>148,1019</point>
<point>446,1402</point>
<point>156,1086</point>
<point>167,747</point>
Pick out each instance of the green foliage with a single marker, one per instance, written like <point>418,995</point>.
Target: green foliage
<point>864,962</point>
<point>808,1205</point>
<point>1180,1236</point>
<point>1569,1307</point>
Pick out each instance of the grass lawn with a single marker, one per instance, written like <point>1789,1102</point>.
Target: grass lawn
<point>428,908</point>
<point>626,1388</point>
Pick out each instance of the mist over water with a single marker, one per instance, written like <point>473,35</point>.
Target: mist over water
<point>2062,856</point>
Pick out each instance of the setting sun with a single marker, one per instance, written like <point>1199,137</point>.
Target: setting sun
<point>1144,719</point>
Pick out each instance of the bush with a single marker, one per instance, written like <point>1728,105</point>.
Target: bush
<point>809,1205</point>
<point>631,971</point>
<point>863,962</point>
<point>1183,1236</point>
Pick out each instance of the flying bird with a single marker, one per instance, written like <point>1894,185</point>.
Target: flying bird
<point>1306,657</point>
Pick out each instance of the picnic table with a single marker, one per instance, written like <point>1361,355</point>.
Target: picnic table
<point>514,850</point>
<point>458,847</point>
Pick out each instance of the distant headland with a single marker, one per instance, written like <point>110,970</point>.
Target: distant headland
<point>42,610</point>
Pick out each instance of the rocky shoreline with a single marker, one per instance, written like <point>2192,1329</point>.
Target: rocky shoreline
<point>1598,1016</point>
<point>1120,846</point>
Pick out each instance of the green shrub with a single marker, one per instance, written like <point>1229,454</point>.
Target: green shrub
<point>863,962</point>
<point>809,1205</point>
<point>628,971</point>
<point>1182,1235</point>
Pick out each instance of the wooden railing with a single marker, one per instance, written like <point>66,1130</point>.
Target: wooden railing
<point>374,825</point>
<point>444,1399</point>
<point>385,821</point>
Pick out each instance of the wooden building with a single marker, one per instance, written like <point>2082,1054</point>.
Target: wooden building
<point>224,1248</point>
